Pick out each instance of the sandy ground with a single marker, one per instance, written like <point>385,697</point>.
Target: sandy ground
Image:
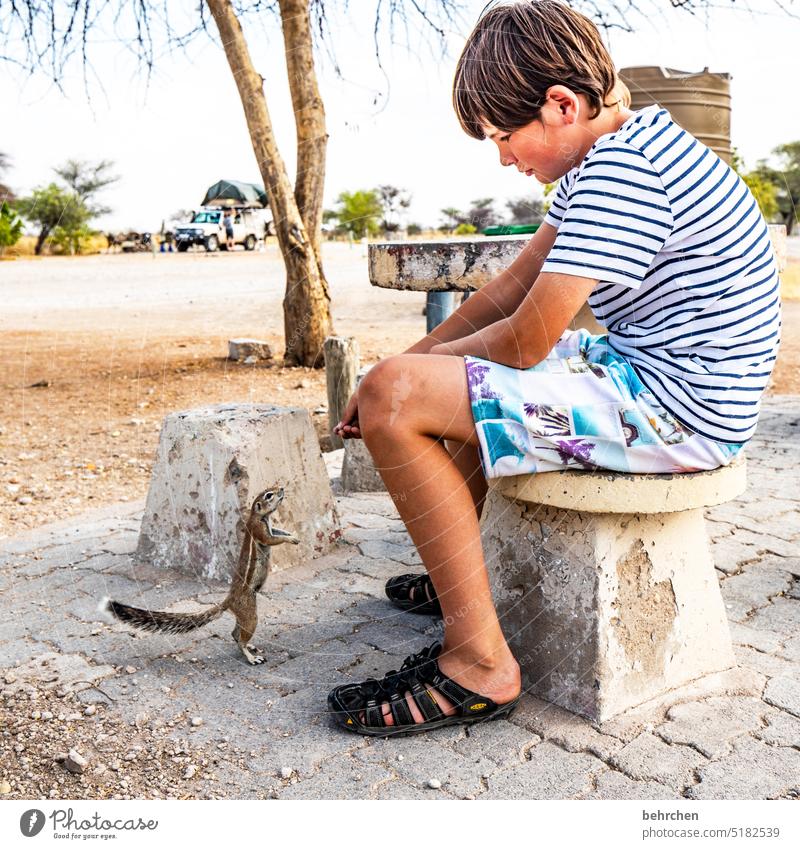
<point>95,351</point>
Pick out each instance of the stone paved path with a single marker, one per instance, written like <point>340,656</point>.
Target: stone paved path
<point>182,716</point>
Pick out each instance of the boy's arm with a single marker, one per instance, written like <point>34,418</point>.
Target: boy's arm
<point>499,299</point>
<point>525,338</point>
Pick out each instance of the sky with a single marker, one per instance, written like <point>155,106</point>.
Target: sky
<point>172,137</point>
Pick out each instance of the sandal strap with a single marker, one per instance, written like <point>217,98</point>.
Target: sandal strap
<point>417,584</point>
<point>419,674</point>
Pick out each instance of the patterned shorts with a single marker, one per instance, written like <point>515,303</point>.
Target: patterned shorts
<point>582,407</point>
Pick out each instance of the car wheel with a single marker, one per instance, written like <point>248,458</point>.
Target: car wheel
<point>182,247</point>
<point>212,244</point>
<point>250,243</point>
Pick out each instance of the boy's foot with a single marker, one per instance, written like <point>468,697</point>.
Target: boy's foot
<point>421,697</point>
<point>414,593</point>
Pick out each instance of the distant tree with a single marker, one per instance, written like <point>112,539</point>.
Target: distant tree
<point>525,210</point>
<point>182,215</point>
<point>87,180</point>
<point>414,229</point>
<point>53,207</point>
<point>10,227</point>
<point>5,192</point>
<point>785,176</point>
<point>764,190</point>
<point>393,200</point>
<point>453,217</point>
<point>481,213</point>
<point>359,212</point>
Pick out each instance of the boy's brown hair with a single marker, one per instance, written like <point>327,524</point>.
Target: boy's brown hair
<point>517,51</point>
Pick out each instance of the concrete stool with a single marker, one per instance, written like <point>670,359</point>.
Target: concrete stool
<point>358,468</point>
<point>604,583</point>
<point>210,465</point>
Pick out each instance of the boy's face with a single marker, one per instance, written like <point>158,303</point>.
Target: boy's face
<point>549,146</point>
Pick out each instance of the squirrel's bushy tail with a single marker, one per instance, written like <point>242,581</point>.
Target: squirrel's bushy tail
<point>159,621</point>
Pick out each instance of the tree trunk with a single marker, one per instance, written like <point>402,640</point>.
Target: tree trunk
<point>43,234</point>
<point>309,116</point>
<point>306,306</point>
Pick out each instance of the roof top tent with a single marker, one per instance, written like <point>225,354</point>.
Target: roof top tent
<point>699,102</point>
<point>234,193</point>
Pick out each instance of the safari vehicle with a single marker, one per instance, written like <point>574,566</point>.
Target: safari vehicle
<point>207,229</point>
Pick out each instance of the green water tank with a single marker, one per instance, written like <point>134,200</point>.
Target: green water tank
<point>700,102</point>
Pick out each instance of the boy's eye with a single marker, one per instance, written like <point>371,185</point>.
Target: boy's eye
<point>506,137</point>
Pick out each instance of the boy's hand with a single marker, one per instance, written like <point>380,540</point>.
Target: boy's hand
<point>348,427</point>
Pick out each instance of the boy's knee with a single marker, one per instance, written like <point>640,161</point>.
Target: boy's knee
<point>378,382</point>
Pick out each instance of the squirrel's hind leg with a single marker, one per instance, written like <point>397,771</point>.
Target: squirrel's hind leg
<point>246,623</point>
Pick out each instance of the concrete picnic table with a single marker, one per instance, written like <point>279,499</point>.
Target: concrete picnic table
<point>444,267</point>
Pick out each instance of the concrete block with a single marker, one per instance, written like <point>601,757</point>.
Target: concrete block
<point>243,349</point>
<point>210,464</point>
<point>358,471</point>
<point>606,610</point>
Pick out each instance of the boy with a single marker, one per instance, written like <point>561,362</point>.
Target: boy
<point>668,246</point>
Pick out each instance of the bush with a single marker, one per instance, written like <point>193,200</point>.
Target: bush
<point>465,229</point>
<point>10,227</point>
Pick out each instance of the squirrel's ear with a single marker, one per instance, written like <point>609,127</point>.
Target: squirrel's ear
<point>257,506</point>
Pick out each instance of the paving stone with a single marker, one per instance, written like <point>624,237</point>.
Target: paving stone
<point>710,726</point>
<point>784,692</point>
<point>568,730</point>
<point>425,758</point>
<point>376,567</point>
<point>770,665</point>
<point>616,785</point>
<point>753,588</point>
<point>753,770</point>
<point>339,778</point>
<point>729,554</point>
<point>368,502</point>
<point>737,681</point>
<point>648,758</point>
<point>757,638</point>
<point>402,553</point>
<point>763,543</point>
<point>791,649</point>
<point>782,617</point>
<point>501,742</point>
<point>316,666</point>
<point>304,750</point>
<point>21,651</point>
<point>551,773</point>
<point>782,729</point>
<point>52,670</point>
<point>375,520</point>
<point>399,789</point>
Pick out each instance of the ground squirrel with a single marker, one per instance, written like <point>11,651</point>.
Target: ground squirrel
<point>248,578</point>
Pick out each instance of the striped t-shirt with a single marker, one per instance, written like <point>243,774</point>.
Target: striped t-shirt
<point>688,282</point>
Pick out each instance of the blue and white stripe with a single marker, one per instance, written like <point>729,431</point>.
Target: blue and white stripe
<point>689,288</point>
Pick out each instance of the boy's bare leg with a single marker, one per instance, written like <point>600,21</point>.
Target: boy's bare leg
<point>468,461</point>
<point>407,406</point>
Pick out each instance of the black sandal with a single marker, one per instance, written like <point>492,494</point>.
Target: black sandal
<point>418,673</point>
<point>399,590</point>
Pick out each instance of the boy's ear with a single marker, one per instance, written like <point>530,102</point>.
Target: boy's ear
<point>565,102</point>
